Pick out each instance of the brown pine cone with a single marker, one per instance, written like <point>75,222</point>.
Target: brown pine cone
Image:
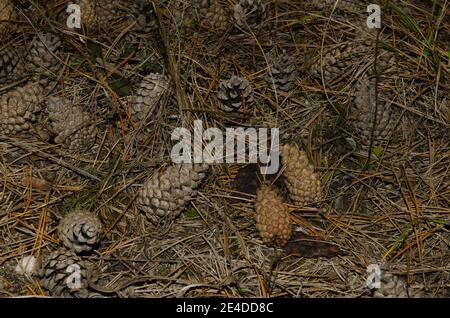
<point>234,93</point>
<point>212,15</point>
<point>72,126</point>
<point>272,216</point>
<point>363,113</point>
<point>165,194</point>
<point>12,64</point>
<point>282,71</point>
<point>64,275</point>
<point>80,231</point>
<point>302,182</point>
<point>18,108</point>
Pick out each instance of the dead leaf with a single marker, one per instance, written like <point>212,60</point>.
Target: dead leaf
<point>302,245</point>
<point>35,183</point>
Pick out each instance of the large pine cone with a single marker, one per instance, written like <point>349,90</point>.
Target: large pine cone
<point>234,93</point>
<point>363,114</point>
<point>391,287</point>
<point>151,90</point>
<point>96,13</point>
<point>272,216</point>
<point>302,182</point>
<point>7,15</point>
<point>64,275</point>
<point>18,108</point>
<point>43,57</point>
<point>250,13</point>
<point>72,126</point>
<point>282,72</point>
<point>80,231</point>
<point>164,195</point>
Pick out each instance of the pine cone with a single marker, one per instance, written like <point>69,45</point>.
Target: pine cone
<point>164,195</point>
<point>11,64</point>
<point>282,72</point>
<point>249,13</point>
<point>18,108</point>
<point>391,287</point>
<point>362,116</point>
<point>42,58</point>
<point>234,93</point>
<point>342,61</point>
<point>272,216</point>
<point>71,125</point>
<point>64,275</point>
<point>7,13</point>
<point>150,92</point>
<point>80,231</point>
<point>212,15</point>
<point>302,182</point>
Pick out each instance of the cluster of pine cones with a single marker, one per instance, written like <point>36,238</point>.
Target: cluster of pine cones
<point>164,195</point>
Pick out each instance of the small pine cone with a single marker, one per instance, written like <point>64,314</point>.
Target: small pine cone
<point>250,13</point>
<point>391,286</point>
<point>72,126</point>
<point>302,182</point>
<point>363,112</point>
<point>11,64</point>
<point>282,72</point>
<point>234,93</point>
<point>42,58</point>
<point>272,216</point>
<point>212,15</point>
<point>80,231</point>
<point>150,92</point>
<point>64,275</point>
<point>164,195</point>
<point>7,14</point>
<point>18,108</point>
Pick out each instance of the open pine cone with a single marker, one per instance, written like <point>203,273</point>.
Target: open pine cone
<point>302,182</point>
<point>272,216</point>
<point>7,13</point>
<point>64,275</point>
<point>149,94</point>
<point>234,93</point>
<point>249,13</point>
<point>363,113</point>
<point>72,126</point>
<point>80,231</point>
<point>18,108</point>
<point>165,194</point>
<point>282,72</point>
